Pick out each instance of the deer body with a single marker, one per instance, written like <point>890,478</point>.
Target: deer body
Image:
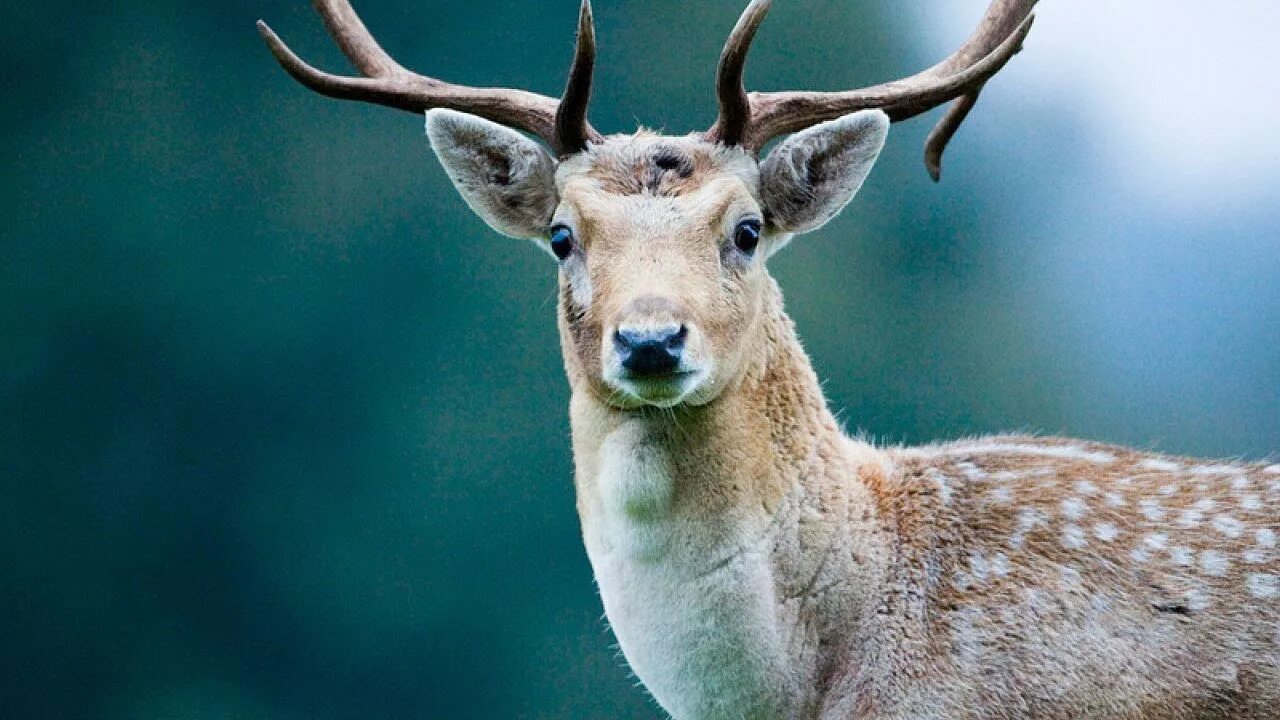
<point>754,561</point>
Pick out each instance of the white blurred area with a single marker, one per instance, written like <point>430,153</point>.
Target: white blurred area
<point>1135,146</point>
<point>1180,97</point>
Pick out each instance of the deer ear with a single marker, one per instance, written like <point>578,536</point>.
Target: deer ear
<point>506,178</point>
<point>812,175</point>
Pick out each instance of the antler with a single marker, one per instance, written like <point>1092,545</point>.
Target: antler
<point>561,123</point>
<point>752,120</point>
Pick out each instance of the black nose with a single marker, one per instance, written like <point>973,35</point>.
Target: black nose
<point>650,352</point>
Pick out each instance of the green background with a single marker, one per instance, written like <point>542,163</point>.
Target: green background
<point>283,425</point>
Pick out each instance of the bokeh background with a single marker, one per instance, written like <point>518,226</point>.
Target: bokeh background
<point>282,425</point>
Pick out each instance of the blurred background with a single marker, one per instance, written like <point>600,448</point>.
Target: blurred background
<point>283,426</point>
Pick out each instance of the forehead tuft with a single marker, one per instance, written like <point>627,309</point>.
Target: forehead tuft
<point>656,165</point>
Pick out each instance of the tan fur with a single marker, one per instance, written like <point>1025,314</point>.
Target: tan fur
<point>655,164</point>
<point>1002,577</point>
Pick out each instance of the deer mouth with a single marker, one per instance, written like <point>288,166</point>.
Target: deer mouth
<point>665,389</point>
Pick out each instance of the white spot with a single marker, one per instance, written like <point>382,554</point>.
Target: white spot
<point>1228,526</point>
<point>1273,488</point>
<point>1159,465</point>
<point>961,580</point>
<point>978,567</point>
<point>967,639</point>
<point>1106,532</point>
<point>1214,469</point>
<point>1169,490</point>
<point>1214,563</point>
<point>1074,508</point>
<point>971,471</point>
<point>1073,537</point>
<point>635,489</point>
<point>944,491</point>
<point>1273,469</point>
<point>1028,520</point>
<point>1033,598</point>
<point>1262,585</point>
<point>1150,543</point>
<point>1190,517</point>
<point>1004,475</point>
<point>1114,499</point>
<point>1197,600</point>
<point>1070,577</point>
<point>580,285</point>
<point>1266,537</point>
<point>1086,488</point>
<point>634,478</point>
<point>1225,672</point>
<point>1066,452</point>
<point>1239,482</point>
<point>1254,556</point>
<point>1250,501</point>
<point>1125,481</point>
<point>1151,509</point>
<point>1000,564</point>
<point>1194,515</point>
<point>944,486</point>
<point>1001,495</point>
<point>1181,555</point>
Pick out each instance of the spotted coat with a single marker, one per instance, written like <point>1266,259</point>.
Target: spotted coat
<point>1063,574</point>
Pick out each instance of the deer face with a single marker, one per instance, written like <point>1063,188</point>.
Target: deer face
<point>661,268</point>
<point>661,241</point>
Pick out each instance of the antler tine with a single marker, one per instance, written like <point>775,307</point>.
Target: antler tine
<point>353,38</point>
<point>388,83</point>
<point>735,106</point>
<point>936,143</point>
<point>1002,19</point>
<point>783,112</point>
<point>572,131</point>
<point>962,74</point>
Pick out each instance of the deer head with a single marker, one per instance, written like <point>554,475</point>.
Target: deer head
<point>661,241</point>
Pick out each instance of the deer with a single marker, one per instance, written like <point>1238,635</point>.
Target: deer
<point>753,559</point>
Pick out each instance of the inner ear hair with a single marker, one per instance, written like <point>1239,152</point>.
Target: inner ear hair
<point>812,175</point>
<point>505,177</point>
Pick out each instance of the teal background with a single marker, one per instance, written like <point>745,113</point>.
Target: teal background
<point>282,425</point>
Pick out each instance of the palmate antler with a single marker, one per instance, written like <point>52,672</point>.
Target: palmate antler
<point>751,120</point>
<point>746,119</point>
<point>562,124</point>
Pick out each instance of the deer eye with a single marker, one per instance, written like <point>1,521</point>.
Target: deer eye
<point>561,241</point>
<point>747,235</point>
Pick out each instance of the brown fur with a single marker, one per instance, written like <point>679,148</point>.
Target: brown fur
<point>645,163</point>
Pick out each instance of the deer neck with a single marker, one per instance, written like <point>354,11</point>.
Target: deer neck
<point>705,525</point>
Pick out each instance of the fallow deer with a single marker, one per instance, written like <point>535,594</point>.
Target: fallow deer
<point>753,560</point>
